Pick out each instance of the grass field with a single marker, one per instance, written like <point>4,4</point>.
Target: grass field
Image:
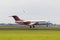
<point>15,33</point>
<point>29,34</point>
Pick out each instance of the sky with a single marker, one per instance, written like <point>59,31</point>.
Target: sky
<point>30,10</point>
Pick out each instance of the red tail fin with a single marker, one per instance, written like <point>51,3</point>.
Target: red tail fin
<point>16,18</point>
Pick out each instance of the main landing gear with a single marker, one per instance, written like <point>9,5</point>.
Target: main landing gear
<point>32,26</point>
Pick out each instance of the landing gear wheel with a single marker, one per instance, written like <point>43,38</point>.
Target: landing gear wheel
<point>33,26</point>
<point>30,26</point>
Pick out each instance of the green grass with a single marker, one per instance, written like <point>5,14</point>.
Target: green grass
<point>29,34</point>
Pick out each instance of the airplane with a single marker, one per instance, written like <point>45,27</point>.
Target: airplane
<point>30,23</point>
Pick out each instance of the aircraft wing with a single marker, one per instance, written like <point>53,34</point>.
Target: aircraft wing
<point>41,23</point>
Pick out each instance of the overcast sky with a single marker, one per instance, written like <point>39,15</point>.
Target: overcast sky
<point>30,10</point>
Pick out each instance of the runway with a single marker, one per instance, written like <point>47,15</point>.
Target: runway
<point>28,28</point>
